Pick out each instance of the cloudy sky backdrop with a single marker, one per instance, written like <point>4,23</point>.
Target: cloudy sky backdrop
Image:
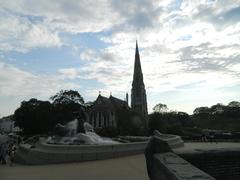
<point>190,50</point>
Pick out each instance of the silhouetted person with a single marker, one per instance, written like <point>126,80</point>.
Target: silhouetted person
<point>204,137</point>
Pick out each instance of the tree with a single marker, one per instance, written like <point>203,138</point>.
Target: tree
<point>66,97</point>
<point>184,119</point>
<point>234,104</point>
<point>157,121</point>
<point>130,123</point>
<point>34,117</point>
<point>160,108</point>
<point>202,110</point>
<point>68,105</point>
<point>217,108</point>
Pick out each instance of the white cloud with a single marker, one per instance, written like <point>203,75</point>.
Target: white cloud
<point>20,34</point>
<point>16,82</point>
<point>26,25</point>
<point>19,85</point>
<point>70,73</point>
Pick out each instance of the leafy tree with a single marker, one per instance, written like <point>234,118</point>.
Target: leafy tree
<point>67,97</point>
<point>157,122</point>
<point>234,104</point>
<point>160,108</point>
<point>130,123</point>
<point>34,117</point>
<point>218,116</point>
<point>217,108</point>
<point>68,105</point>
<point>169,122</point>
<point>202,110</point>
<point>184,119</point>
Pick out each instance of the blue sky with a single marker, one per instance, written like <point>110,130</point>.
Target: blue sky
<point>189,49</point>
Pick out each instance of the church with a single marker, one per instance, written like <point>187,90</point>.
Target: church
<point>108,112</point>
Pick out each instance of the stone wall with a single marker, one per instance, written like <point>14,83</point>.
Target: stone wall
<point>49,153</point>
<point>169,166</point>
<point>201,161</point>
<point>164,164</point>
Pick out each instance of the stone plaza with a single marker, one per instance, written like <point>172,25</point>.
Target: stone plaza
<point>129,167</point>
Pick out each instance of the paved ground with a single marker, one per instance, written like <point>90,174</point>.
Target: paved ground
<point>125,168</point>
<point>206,146</point>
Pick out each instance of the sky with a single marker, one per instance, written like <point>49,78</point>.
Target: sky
<point>189,50</point>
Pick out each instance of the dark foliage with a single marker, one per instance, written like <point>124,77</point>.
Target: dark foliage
<point>67,97</point>
<point>67,105</point>
<point>169,122</point>
<point>219,116</point>
<point>131,123</point>
<point>34,117</point>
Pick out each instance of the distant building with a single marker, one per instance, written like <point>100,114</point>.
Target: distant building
<point>107,112</point>
<point>7,125</point>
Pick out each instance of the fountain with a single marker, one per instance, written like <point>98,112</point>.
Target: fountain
<point>72,137</point>
<point>69,145</point>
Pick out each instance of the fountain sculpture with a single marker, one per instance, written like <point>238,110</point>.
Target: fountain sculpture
<point>70,136</point>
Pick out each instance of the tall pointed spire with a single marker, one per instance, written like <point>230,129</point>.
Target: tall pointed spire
<point>137,76</point>
<point>139,101</point>
<point>136,51</point>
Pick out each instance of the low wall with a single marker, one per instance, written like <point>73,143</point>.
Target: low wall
<point>219,161</point>
<point>49,153</point>
<point>169,166</point>
<point>164,164</point>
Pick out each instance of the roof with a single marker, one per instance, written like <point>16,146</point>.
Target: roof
<point>111,102</point>
<point>118,103</point>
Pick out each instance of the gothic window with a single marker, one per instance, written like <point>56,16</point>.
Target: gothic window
<point>100,119</point>
<point>94,123</point>
<point>107,121</point>
<point>104,121</point>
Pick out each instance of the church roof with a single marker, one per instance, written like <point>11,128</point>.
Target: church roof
<point>111,102</point>
<point>118,102</point>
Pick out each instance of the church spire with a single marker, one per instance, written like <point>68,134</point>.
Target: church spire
<point>137,75</point>
<point>139,101</point>
<point>136,51</point>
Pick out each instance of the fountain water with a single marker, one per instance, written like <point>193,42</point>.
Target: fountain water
<point>72,137</point>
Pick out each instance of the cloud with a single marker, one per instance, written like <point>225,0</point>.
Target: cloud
<point>68,16</point>
<point>26,25</point>
<point>16,82</point>
<point>20,34</point>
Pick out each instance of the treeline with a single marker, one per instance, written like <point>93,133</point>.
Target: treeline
<point>216,117</point>
<point>219,116</point>
<point>40,117</point>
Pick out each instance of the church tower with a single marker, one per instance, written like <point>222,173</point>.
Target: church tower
<point>138,96</point>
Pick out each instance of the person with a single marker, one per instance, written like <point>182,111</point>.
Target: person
<point>212,137</point>
<point>3,153</point>
<point>12,153</point>
<point>204,138</point>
